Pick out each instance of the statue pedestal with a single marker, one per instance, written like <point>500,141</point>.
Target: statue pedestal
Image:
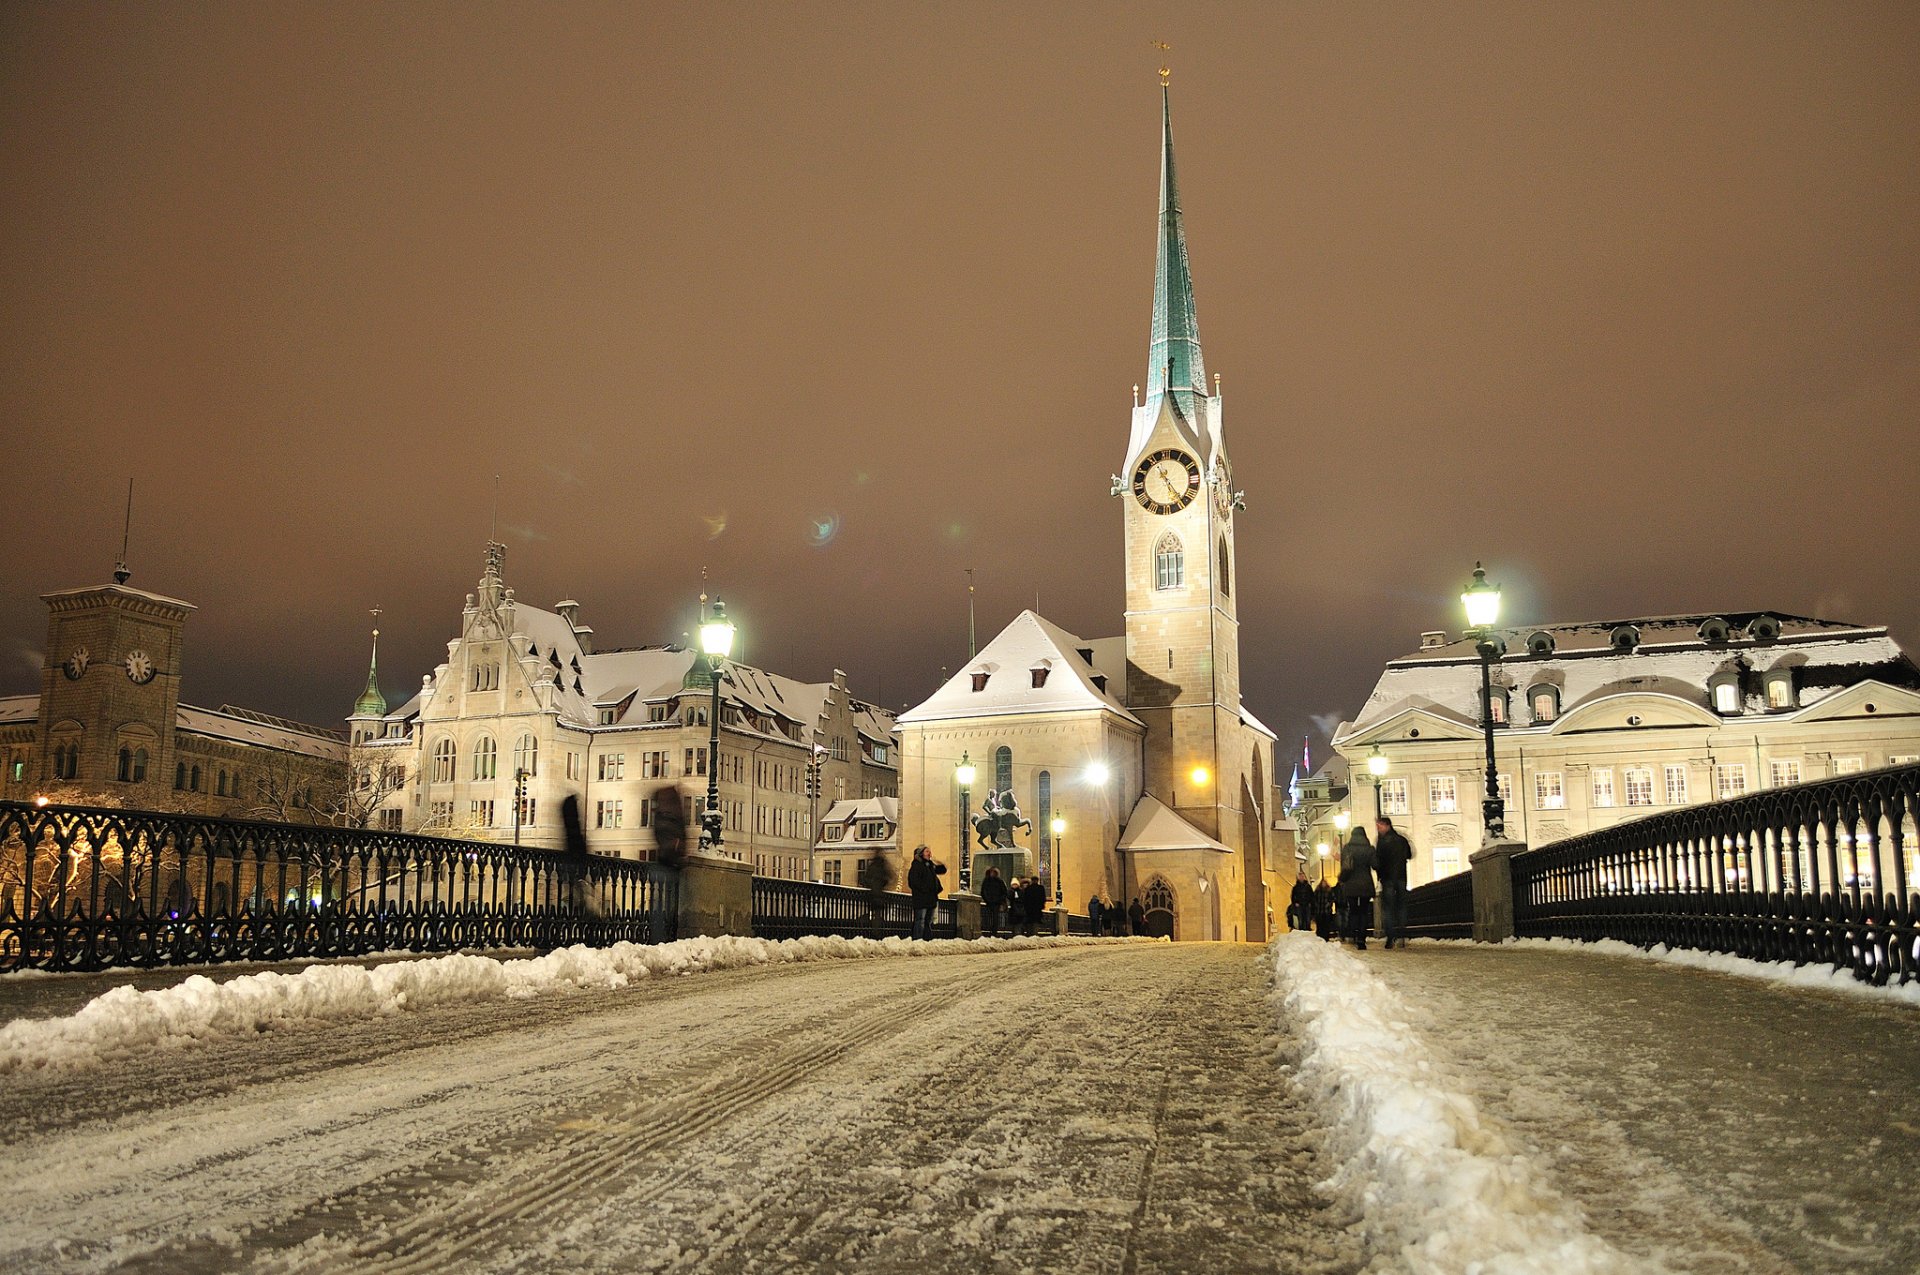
<point>1013,861</point>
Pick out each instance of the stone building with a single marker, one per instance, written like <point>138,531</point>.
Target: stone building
<point>108,727</point>
<point>526,711</point>
<point>1598,723</point>
<point>1140,741</point>
<point>852,832</point>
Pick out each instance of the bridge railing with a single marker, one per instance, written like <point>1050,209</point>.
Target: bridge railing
<point>85,888</point>
<point>1821,872</point>
<point>1442,909</point>
<point>792,909</point>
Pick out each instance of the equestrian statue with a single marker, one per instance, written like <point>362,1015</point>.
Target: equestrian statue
<point>998,819</point>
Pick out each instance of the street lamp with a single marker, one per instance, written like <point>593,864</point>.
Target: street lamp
<point>1059,826</point>
<point>1098,773</point>
<point>1482,603</point>
<point>965,774</point>
<point>1323,850</point>
<point>1342,820</point>
<point>716,641</point>
<point>1377,768</point>
<point>519,800</point>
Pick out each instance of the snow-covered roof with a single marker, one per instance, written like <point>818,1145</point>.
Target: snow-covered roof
<point>260,731</point>
<point>1009,662</point>
<point>19,708</point>
<point>125,591</point>
<point>1154,826</point>
<point>1678,656</point>
<point>848,810</point>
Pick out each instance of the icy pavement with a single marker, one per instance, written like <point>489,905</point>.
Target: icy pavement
<point>1702,1122</point>
<point>1108,1108</point>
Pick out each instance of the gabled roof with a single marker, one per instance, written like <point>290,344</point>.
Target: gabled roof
<point>1009,660</point>
<point>850,810</point>
<point>259,731</point>
<point>1153,826</point>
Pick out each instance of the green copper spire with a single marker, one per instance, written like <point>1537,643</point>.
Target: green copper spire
<point>371,702</point>
<point>1173,360</point>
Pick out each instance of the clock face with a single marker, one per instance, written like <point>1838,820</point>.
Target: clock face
<point>76,666</point>
<point>139,668</point>
<point>1166,481</point>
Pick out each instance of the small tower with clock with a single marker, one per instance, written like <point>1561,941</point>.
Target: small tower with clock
<point>1183,640</point>
<point>111,684</point>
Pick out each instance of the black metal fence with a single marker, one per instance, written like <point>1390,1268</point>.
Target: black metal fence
<point>1442,909</point>
<point>793,909</point>
<point>88,889</point>
<point>1819,873</point>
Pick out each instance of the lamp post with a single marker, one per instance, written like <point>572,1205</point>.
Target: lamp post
<point>1377,769</point>
<point>519,800</point>
<point>1323,850</point>
<point>716,642</point>
<point>1482,603</point>
<point>964,773</point>
<point>1059,827</point>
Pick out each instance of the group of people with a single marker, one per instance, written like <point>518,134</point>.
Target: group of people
<point>1015,907</point>
<point>1345,907</point>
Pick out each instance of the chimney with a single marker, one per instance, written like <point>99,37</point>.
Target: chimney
<point>568,610</point>
<point>1428,641</point>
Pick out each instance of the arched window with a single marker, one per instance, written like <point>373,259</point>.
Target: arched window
<point>1497,706</point>
<point>1169,563</point>
<point>1726,693</point>
<point>1226,570</point>
<point>179,775</point>
<point>1003,768</point>
<point>1159,895</point>
<point>526,755</point>
<point>444,760</point>
<point>139,766</point>
<point>1544,701</point>
<point>486,758</point>
<point>193,779</point>
<point>125,773</point>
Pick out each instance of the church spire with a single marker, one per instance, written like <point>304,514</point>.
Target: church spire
<point>371,702</point>
<point>1173,360</point>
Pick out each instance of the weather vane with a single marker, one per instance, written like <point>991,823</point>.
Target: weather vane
<point>1166,72</point>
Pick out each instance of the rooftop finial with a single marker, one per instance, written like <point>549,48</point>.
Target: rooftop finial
<point>371,702</point>
<point>1166,72</point>
<point>121,572</point>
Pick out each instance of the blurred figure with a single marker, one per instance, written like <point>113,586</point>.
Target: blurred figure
<point>876,874</point>
<point>669,827</point>
<point>1356,888</point>
<point>1137,916</point>
<point>1300,906</point>
<point>1096,914</point>
<point>1391,856</point>
<point>923,881</point>
<point>1033,901</point>
<point>993,900</point>
<point>1323,909</point>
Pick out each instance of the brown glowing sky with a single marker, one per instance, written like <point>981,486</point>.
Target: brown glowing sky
<point>1620,297</point>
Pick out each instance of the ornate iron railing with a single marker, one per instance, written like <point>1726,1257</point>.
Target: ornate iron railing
<point>1079,924</point>
<point>1442,909</point>
<point>794,909</point>
<point>1821,872</point>
<point>87,889</point>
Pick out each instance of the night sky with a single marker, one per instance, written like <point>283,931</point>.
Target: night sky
<point>839,301</point>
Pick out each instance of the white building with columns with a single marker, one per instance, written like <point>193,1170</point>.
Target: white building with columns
<point>1598,723</point>
<point>526,702</point>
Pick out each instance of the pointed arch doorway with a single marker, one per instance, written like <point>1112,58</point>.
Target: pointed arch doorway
<point>1161,909</point>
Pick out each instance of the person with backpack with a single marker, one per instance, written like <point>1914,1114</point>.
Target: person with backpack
<point>1356,887</point>
<point>1033,901</point>
<point>1392,853</point>
<point>1300,905</point>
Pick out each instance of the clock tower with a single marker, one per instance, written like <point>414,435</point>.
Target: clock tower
<point>1183,632</point>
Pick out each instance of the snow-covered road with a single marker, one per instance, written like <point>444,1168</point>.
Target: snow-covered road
<point>1112,1108</point>
<point>1701,1122</point>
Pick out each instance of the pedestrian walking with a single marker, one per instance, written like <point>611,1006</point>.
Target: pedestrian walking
<point>1137,916</point>
<point>993,900</point>
<point>1033,901</point>
<point>1392,853</point>
<point>1096,913</point>
<point>1324,904</point>
<point>923,882</point>
<point>1356,887</point>
<point>1300,909</point>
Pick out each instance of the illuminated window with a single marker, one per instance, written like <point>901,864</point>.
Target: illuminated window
<point>486,758</point>
<point>1545,703</point>
<point>480,814</point>
<point>526,755</point>
<point>1848,765</point>
<point>1169,563</point>
<point>1726,695</point>
<point>1549,792</point>
<point>1393,796</point>
<point>1730,780</point>
<point>1639,787</point>
<point>1446,861</point>
<point>1783,772</point>
<point>1676,777</point>
<point>1442,798</point>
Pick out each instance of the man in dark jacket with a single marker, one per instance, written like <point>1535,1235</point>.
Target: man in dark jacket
<point>1033,901</point>
<point>1137,916</point>
<point>1300,909</point>
<point>1323,909</point>
<point>993,900</point>
<point>1095,912</point>
<point>923,881</point>
<point>1391,855</point>
<point>1356,887</point>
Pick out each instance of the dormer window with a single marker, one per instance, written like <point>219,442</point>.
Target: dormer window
<point>1040,672</point>
<point>606,716</point>
<point>1544,702</point>
<point>1726,694</point>
<point>1497,706</point>
<point>980,680</point>
<point>1780,689</point>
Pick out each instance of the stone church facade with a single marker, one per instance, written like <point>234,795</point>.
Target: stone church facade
<point>1139,742</point>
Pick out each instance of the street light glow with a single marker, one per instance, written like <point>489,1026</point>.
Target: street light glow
<point>716,632</point>
<point>1343,820</point>
<point>965,772</point>
<point>1323,850</point>
<point>1098,773</point>
<point>1376,762</point>
<point>1200,776</point>
<point>1482,600</point>
<point>1059,826</point>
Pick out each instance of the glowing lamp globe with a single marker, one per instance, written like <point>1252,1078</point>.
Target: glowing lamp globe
<point>1098,773</point>
<point>1376,762</point>
<point>1482,601</point>
<point>1200,776</point>
<point>1323,850</point>
<point>1343,820</point>
<point>965,772</point>
<point>1059,826</point>
<point>716,632</point>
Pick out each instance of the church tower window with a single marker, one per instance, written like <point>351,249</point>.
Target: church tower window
<point>1003,768</point>
<point>1169,563</point>
<point>1226,571</point>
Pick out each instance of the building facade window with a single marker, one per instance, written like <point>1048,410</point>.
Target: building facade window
<point>1169,563</point>
<point>526,755</point>
<point>1544,703</point>
<point>1848,765</point>
<point>444,760</point>
<point>527,810</point>
<point>1639,787</point>
<point>1393,795</point>
<point>870,830</point>
<point>1446,861</point>
<point>1783,772</point>
<point>1549,790</point>
<point>613,765</point>
<point>1676,777</point>
<point>1226,570</point>
<point>480,814</point>
<point>1003,768</point>
<point>1497,706</point>
<point>486,758</point>
<point>1730,780</point>
<point>1044,786</point>
<point>696,762</point>
<point>1726,694</point>
<point>833,832</point>
<point>1602,788</point>
<point>1780,689</point>
<point>1442,796</point>
<point>486,677</point>
<point>1506,789</point>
